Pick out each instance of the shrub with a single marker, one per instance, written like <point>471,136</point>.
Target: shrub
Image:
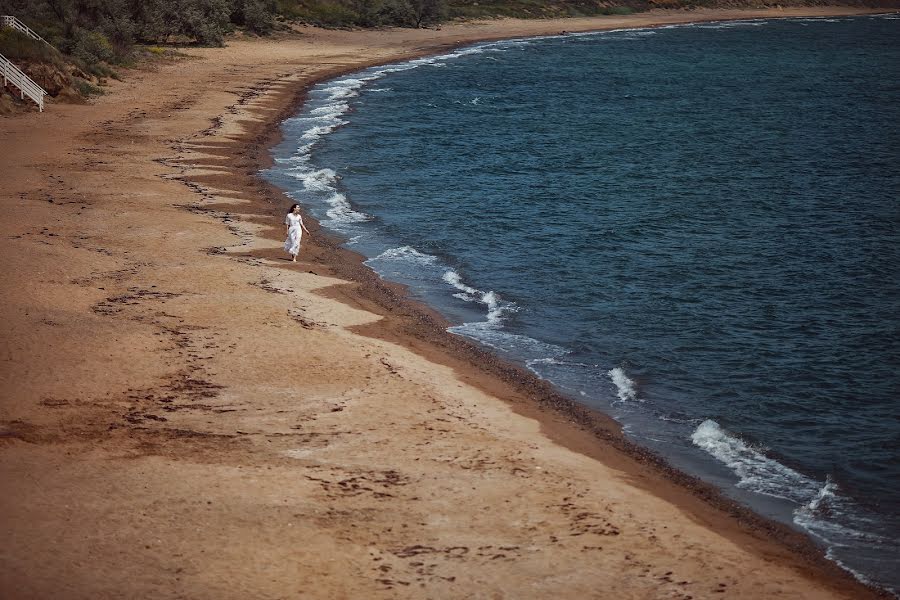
<point>617,10</point>
<point>15,45</point>
<point>92,47</point>
<point>327,14</point>
<point>86,88</point>
<point>204,20</point>
<point>256,15</point>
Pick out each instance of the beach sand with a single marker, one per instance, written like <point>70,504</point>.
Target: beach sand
<point>185,413</point>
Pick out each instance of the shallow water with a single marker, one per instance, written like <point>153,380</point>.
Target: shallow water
<point>692,228</point>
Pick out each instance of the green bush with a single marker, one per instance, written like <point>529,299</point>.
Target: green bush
<point>617,10</point>
<point>532,9</point>
<point>92,47</point>
<point>106,30</point>
<point>15,45</point>
<point>256,15</point>
<point>86,88</point>
<point>364,13</point>
<point>327,14</point>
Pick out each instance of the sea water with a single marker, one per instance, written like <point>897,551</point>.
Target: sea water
<point>693,228</point>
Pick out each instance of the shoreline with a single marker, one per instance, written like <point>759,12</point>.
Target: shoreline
<point>405,322</point>
<point>582,429</point>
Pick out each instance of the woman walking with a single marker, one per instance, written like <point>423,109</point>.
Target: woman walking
<point>295,228</point>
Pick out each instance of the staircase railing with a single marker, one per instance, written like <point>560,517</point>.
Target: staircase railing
<point>11,21</point>
<point>27,87</point>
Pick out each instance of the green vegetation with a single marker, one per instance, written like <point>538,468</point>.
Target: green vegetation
<point>17,46</point>
<point>418,13</point>
<point>363,13</point>
<point>107,30</point>
<point>87,89</point>
<point>91,38</point>
<point>531,9</point>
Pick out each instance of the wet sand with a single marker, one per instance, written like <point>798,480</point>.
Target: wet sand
<point>185,413</point>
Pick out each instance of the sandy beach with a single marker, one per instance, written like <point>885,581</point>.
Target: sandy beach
<point>187,414</point>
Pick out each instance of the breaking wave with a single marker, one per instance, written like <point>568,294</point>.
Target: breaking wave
<point>624,385</point>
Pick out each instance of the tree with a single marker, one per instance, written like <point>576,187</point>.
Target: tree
<point>206,21</point>
<point>256,15</point>
<point>427,11</point>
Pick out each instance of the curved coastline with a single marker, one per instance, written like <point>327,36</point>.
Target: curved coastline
<point>370,76</point>
<point>178,398</point>
<point>563,419</point>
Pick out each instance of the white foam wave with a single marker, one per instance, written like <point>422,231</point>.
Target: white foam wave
<point>624,385</point>
<point>729,24</point>
<point>756,471</point>
<point>496,307</point>
<point>453,278</point>
<point>818,516</point>
<point>314,133</point>
<point>329,113</point>
<point>535,364</point>
<point>317,180</point>
<point>490,332</point>
<point>406,254</point>
<point>555,361</point>
<point>328,105</point>
<point>496,310</point>
<point>679,420</point>
<point>822,510</point>
<point>343,88</point>
<point>342,212</point>
<point>522,346</point>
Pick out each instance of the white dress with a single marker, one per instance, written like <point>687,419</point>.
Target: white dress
<point>295,232</point>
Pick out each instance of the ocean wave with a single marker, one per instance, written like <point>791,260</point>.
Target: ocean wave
<point>512,343</point>
<point>497,308</point>
<point>341,212</point>
<point>316,180</point>
<point>343,88</point>
<point>405,254</point>
<point>453,278</point>
<point>624,386</point>
<point>756,472</point>
<point>836,519</point>
<point>329,112</point>
<point>490,332</point>
<point>681,420</point>
<point>546,366</point>
<point>557,362</point>
<point>330,101</point>
<point>314,133</point>
<point>822,511</point>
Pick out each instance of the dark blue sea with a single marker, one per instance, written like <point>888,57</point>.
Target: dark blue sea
<point>695,229</point>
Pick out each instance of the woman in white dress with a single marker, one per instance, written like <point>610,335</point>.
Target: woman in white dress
<point>295,228</point>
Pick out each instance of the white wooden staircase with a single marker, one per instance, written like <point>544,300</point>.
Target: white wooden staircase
<point>12,74</point>
<point>14,23</point>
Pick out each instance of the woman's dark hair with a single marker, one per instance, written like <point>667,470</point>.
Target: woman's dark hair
<point>291,209</point>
